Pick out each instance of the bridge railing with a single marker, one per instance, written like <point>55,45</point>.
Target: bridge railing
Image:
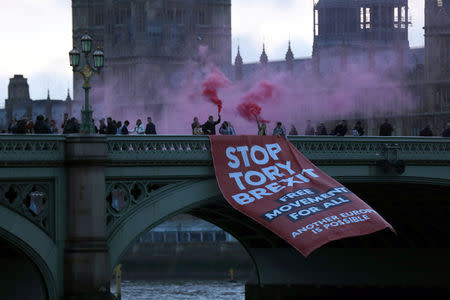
<point>329,148</point>
<point>170,148</point>
<point>36,148</point>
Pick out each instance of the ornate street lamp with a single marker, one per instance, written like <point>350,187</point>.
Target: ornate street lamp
<point>86,71</point>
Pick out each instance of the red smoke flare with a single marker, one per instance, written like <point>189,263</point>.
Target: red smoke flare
<point>250,111</point>
<point>211,94</point>
<point>212,83</point>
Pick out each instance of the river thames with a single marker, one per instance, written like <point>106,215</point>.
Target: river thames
<point>181,289</point>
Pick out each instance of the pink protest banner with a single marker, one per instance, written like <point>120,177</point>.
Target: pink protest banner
<point>267,179</point>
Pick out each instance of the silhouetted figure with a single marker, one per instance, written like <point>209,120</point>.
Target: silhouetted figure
<point>293,131</point>
<point>12,125</point>
<point>426,131</point>
<point>53,127</point>
<point>72,126</point>
<point>20,127</point>
<point>111,127</point>
<point>341,128</point>
<point>309,130</point>
<point>321,129</point>
<point>446,132</point>
<point>386,128</point>
<point>30,126</point>
<point>358,130</point>
<point>150,128</point>
<point>65,120</point>
<point>209,127</point>
<point>119,127</point>
<point>279,130</point>
<point>102,128</point>
<point>124,128</point>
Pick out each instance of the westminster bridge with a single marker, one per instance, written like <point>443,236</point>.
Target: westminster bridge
<point>71,206</point>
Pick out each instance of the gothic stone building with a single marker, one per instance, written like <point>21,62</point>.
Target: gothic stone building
<point>146,44</point>
<point>374,35</point>
<point>19,105</point>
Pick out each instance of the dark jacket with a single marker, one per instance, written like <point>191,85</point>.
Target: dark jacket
<point>102,129</point>
<point>41,127</point>
<point>209,128</point>
<point>386,129</point>
<point>124,130</point>
<point>426,132</point>
<point>20,127</point>
<point>71,127</point>
<point>321,130</point>
<point>150,128</point>
<point>111,129</point>
<point>340,130</point>
<point>446,132</point>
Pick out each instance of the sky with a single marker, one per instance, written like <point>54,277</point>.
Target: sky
<point>36,37</point>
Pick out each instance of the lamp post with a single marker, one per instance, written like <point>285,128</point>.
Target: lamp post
<point>86,71</point>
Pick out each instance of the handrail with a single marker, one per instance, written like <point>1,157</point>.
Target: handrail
<point>177,148</point>
<point>31,147</point>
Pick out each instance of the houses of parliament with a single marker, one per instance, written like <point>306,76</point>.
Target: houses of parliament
<point>148,43</point>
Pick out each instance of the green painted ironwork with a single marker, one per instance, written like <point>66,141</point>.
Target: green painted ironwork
<point>197,149</point>
<point>337,149</point>
<point>22,198</point>
<point>124,197</point>
<point>35,148</point>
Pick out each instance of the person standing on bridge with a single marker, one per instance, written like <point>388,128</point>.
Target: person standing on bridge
<point>196,127</point>
<point>386,128</point>
<point>111,127</point>
<point>150,128</point>
<point>262,127</point>
<point>279,130</point>
<point>358,130</point>
<point>209,128</point>
<point>426,131</point>
<point>139,128</point>
<point>309,130</point>
<point>446,132</point>
<point>321,129</point>
<point>124,128</point>
<point>226,129</point>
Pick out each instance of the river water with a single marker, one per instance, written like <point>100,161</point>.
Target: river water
<point>181,289</point>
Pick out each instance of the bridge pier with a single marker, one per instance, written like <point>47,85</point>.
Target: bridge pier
<point>86,256</point>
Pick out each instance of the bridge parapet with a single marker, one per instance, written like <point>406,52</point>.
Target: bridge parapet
<point>35,148</point>
<point>318,149</point>
<point>46,148</point>
<point>197,149</point>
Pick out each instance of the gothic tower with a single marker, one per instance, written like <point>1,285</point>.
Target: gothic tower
<point>18,100</point>
<point>379,25</point>
<point>147,44</point>
<point>437,54</point>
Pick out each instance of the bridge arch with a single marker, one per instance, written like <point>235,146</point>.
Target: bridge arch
<point>200,198</point>
<point>175,200</point>
<point>27,239</point>
<point>203,199</point>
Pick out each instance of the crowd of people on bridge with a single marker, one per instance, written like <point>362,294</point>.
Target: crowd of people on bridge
<point>110,126</point>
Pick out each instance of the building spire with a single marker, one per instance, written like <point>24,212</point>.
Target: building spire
<point>290,58</point>
<point>238,62</point>
<point>68,95</point>
<point>48,94</point>
<point>263,59</point>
